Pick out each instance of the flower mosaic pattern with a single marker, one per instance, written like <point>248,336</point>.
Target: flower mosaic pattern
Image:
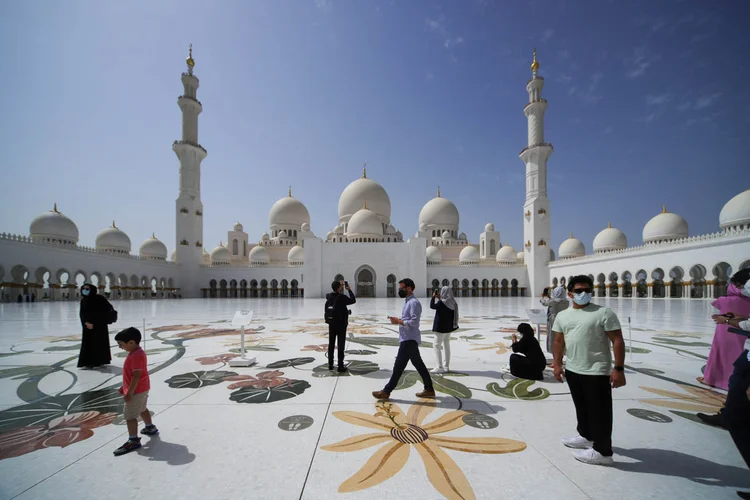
<point>218,359</point>
<point>316,348</point>
<point>399,432</point>
<point>58,432</point>
<point>263,380</point>
<point>501,347</point>
<point>698,399</point>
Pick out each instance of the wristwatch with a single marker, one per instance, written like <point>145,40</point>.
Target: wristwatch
<point>619,368</point>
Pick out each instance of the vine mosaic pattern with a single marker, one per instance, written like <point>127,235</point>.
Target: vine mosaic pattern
<point>292,358</point>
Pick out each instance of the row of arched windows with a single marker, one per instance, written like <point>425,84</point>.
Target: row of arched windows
<point>243,289</point>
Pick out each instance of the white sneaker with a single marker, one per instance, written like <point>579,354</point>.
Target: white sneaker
<point>593,457</point>
<point>578,442</point>
<point>506,369</point>
<point>439,369</point>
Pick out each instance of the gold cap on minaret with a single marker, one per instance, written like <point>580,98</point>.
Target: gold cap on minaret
<point>290,190</point>
<point>364,171</point>
<point>438,194</point>
<point>534,64</point>
<point>571,236</point>
<point>190,62</point>
<point>609,225</point>
<point>664,209</point>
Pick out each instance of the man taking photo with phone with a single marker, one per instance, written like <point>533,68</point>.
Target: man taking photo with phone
<point>337,316</point>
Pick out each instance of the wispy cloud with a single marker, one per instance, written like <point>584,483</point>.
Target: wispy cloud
<point>564,79</point>
<point>639,62</point>
<point>703,119</point>
<point>590,93</point>
<point>647,119</point>
<point>705,101</point>
<point>658,100</point>
<point>324,5</point>
<point>685,106</point>
<point>452,42</point>
<point>563,54</point>
<point>548,34</point>
<point>438,26</point>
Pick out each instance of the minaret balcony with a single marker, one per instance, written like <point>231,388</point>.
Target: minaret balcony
<point>177,144</point>
<point>184,101</point>
<point>534,105</point>
<point>541,144</point>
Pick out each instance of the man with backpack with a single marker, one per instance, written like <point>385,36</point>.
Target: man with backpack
<point>337,317</point>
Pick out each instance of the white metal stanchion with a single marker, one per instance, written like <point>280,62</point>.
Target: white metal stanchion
<point>242,319</point>
<point>630,345</point>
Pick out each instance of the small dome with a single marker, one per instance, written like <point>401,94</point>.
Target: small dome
<point>446,235</point>
<point>259,255</point>
<point>305,227</point>
<point>365,221</point>
<point>423,227</point>
<point>462,236</point>
<point>220,254</point>
<point>53,226</point>
<point>338,229</point>
<point>609,239</point>
<point>570,248</point>
<point>439,212</point>
<point>361,190</point>
<point>153,249</point>
<point>390,229</point>
<point>238,227</point>
<point>329,235</point>
<point>665,227</point>
<point>489,227</point>
<point>551,255</point>
<point>521,257</point>
<point>282,234</point>
<point>433,255</point>
<point>112,239</point>
<point>206,258</point>
<point>399,235</point>
<point>288,211</point>
<point>173,256</point>
<point>265,237</point>
<point>296,254</point>
<point>469,254</point>
<point>736,212</point>
<point>506,255</point>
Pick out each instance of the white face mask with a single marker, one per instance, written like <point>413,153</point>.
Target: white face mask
<point>582,298</point>
<point>746,289</point>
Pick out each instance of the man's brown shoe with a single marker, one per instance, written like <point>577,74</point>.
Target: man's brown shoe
<point>426,394</point>
<point>380,395</point>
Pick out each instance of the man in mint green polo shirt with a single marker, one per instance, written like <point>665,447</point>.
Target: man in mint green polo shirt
<point>583,333</point>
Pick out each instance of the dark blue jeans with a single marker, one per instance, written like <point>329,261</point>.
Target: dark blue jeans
<point>737,409</point>
<point>408,350</point>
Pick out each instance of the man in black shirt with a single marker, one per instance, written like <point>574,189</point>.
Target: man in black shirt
<point>337,317</point>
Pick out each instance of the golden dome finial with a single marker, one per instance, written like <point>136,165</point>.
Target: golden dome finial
<point>364,205</point>
<point>364,171</point>
<point>290,190</point>
<point>190,62</point>
<point>54,208</point>
<point>534,64</point>
<point>609,225</point>
<point>113,225</point>
<point>153,235</point>
<point>571,236</point>
<point>221,243</point>
<point>438,193</point>
<point>664,209</point>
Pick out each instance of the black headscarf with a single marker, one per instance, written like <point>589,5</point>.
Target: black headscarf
<point>525,329</point>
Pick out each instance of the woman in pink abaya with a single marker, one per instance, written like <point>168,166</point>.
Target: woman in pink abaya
<point>726,346</point>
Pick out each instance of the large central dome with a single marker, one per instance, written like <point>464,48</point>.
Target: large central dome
<point>439,213</point>
<point>359,191</point>
<point>288,211</point>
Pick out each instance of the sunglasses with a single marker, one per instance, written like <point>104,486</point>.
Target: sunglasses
<point>582,290</point>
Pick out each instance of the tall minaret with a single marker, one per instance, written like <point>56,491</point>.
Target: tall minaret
<point>188,207</point>
<point>536,209</point>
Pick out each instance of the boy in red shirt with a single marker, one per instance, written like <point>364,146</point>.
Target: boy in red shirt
<point>135,387</point>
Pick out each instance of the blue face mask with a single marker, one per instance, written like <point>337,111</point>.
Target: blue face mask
<point>582,298</point>
<point>85,291</point>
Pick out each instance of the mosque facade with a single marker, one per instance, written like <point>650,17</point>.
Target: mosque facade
<point>364,248</point>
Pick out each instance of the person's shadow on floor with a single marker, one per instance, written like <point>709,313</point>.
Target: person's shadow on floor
<point>673,463</point>
<point>162,451</point>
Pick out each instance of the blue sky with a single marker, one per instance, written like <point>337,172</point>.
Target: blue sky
<point>647,106</point>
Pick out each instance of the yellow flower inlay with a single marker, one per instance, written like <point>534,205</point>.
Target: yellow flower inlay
<point>399,432</point>
<point>701,400</point>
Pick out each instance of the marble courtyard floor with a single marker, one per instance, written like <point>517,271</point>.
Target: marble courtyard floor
<point>287,428</point>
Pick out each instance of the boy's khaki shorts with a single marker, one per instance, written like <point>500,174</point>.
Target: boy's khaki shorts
<point>135,406</point>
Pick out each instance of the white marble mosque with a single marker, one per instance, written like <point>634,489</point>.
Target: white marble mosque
<point>290,260</point>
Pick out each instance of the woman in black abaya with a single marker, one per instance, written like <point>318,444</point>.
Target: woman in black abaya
<point>95,314</point>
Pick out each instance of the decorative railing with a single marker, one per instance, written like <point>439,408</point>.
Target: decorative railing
<point>663,246</point>
<point>77,248</point>
<point>191,143</point>
<point>532,146</point>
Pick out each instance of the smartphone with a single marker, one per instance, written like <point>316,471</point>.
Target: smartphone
<point>346,283</point>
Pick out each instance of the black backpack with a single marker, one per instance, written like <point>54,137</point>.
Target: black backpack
<point>329,312</point>
<point>112,315</point>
